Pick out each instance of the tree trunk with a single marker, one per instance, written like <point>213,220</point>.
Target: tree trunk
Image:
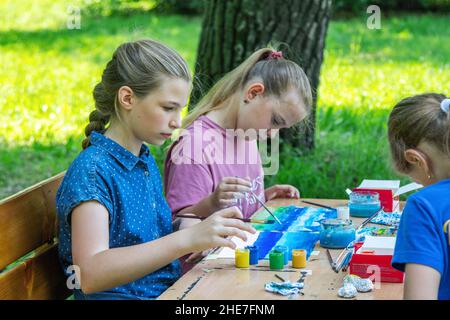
<point>233,30</point>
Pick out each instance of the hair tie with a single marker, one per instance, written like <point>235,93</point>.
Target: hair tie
<point>275,55</point>
<point>445,104</point>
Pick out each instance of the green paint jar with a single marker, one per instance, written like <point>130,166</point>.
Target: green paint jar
<point>276,259</point>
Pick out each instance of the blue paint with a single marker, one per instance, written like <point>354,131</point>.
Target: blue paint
<point>295,218</point>
<point>299,240</point>
<point>364,203</point>
<point>266,241</point>
<point>300,229</point>
<point>254,254</point>
<point>363,210</point>
<point>336,234</point>
<point>292,240</point>
<point>283,249</point>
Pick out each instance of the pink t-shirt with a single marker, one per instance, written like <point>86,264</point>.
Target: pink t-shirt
<point>204,154</point>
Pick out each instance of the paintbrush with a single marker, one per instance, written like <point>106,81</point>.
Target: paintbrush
<point>279,277</point>
<point>318,205</point>
<point>330,260</point>
<point>345,261</point>
<point>345,268</point>
<point>242,219</point>
<point>348,255</point>
<point>267,209</point>
<point>336,263</point>
<point>370,218</point>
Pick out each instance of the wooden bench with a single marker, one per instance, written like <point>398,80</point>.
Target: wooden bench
<point>28,228</point>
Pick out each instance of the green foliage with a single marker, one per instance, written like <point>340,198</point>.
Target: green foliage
<point>365,72</point>
<point>104,8</point>
<point>391,5</point>
<point>182,6</point>
<point>47,74</point>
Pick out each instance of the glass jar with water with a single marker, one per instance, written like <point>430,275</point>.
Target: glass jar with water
<point>364,203</point>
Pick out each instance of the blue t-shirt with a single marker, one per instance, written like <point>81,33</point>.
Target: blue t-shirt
<point>423,236</point>
<point>130,188</point>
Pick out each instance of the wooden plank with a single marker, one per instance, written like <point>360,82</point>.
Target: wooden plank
<point>39,277</point>
<point>219,279</point>
<point>28,220</point>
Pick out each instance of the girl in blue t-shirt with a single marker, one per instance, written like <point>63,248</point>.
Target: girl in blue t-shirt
<point>419,137</point>
<point>115,227</point>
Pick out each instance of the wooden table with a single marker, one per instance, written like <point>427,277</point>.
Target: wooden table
<point>219,279</point>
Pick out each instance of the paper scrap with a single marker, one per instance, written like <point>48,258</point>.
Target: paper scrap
<point>408,188</point>
<point>380,184</point>
<point>227,253</point>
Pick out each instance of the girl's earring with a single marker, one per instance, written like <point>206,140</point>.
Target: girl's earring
<point>246,101</point>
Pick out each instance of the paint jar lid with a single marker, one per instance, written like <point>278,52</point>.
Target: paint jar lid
<point>276,252</point>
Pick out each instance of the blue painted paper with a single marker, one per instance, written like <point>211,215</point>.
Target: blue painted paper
<point>299,230</point>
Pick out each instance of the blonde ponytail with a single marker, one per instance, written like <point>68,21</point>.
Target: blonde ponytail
<point>277,74</point>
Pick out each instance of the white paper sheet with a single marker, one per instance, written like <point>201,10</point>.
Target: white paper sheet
<point>408,188</point>
<point>381,245</point>
<point>380,184</point>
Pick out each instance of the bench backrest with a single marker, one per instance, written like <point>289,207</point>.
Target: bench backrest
<point>28,223</point>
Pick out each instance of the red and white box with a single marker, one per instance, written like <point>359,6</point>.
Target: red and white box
<point>371,260</point>
<point>389,192</point>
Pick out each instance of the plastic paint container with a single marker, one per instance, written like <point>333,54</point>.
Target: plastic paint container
<point>364,203</point>
<point>276,260</point>
<point>336,233</point>
<point>298,258</point>
<point>254,254</point>
<point>242,258</point>
<point>283,249</point>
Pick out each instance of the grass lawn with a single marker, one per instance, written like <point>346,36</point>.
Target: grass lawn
<point>47,74</point>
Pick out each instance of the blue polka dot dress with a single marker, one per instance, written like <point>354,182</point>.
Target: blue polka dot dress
<point>130,188</point>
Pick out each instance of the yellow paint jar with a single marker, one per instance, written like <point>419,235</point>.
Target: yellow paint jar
<point>298,258</point>
<point>242,258</point>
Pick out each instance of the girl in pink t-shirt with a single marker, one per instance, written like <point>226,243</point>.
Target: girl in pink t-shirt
<point>215,162</point>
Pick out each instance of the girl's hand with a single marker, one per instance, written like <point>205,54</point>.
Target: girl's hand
<point>197,256</point>
<point>228,191</point>
<point>281,191</point>
<point>214,230</point>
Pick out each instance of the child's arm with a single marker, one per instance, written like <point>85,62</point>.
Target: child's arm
<point>103,268</point>
<point>421,282</point>
<point>202,209</point>
<point>224,196</point>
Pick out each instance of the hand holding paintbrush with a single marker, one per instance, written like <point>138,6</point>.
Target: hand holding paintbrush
<point>267,209</point>
<point>216,230</point>
<point>228,191</point>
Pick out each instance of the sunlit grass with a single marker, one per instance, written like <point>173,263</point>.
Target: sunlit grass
<point>47,74</point>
